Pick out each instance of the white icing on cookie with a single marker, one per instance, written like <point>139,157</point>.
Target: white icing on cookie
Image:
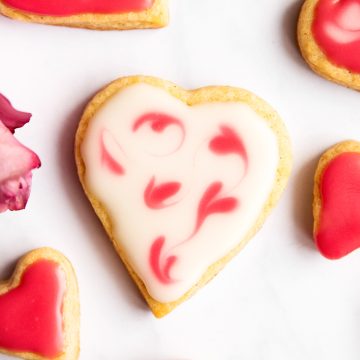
<point>183,185</point>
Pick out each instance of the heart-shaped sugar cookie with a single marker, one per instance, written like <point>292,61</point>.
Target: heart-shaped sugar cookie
<point>91,14</point>
<point>181,180</point>
<point>329,39</point>
<point>39,308</point>
<point>337,200</point>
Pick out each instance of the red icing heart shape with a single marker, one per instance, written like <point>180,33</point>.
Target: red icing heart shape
<point>31,319</point>
<point>76,7</point>
<point>338,230</point>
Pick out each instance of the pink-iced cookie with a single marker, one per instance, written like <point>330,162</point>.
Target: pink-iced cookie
<point>337,200</point>
<point>39,308</point>
<point>329,39</point>
<point>91,14</point>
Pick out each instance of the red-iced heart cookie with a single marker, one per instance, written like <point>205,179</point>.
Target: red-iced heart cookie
<point>181,180</point>
<point>92,14</point>
<point>337,200</point>
<point>39,309</point>
<point>329,38</point>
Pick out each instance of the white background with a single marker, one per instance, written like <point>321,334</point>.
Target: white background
<point>279,299</point>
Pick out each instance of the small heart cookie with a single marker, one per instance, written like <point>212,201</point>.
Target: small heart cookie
<point>337,200</point>
<point>181,180</point>
<point>39,308</point>
<point>90,14</point>
<point>329,39</point>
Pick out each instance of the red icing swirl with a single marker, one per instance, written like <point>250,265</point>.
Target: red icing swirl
<point>31,314</point>
<point>228,142</point>
<point>109,160</point>
<point>213,200</point>
<point>338,231</point>
<point>158,123</point>
<point>156,195</point>
<point>211,203</point>
<point>76,7</point>
<point>161,267</point>
<point>336,29</point>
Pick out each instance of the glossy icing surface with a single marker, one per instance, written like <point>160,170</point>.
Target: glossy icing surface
<point>31,314</point>
<point>339,225</point>
<point>184,184</point>
<point>336,30</point>
<point>76,7</point>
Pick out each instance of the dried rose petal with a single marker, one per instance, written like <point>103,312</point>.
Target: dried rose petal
<point>11,117</point>
<point>14,193</point>
<point>16,163</point>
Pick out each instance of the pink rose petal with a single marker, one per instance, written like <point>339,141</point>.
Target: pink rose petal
<point>16,161</point>
<point>14,193</point>
<point>15,158</point>
<point>11,117</point>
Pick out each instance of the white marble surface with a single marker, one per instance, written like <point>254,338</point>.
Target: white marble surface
<point>279,299</point>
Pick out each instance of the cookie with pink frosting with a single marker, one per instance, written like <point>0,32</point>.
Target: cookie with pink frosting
<point>90,14</point>
<point>329,39</point>
<point>336,204</point>
<point>181,180</point>
<point>39,308</point>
